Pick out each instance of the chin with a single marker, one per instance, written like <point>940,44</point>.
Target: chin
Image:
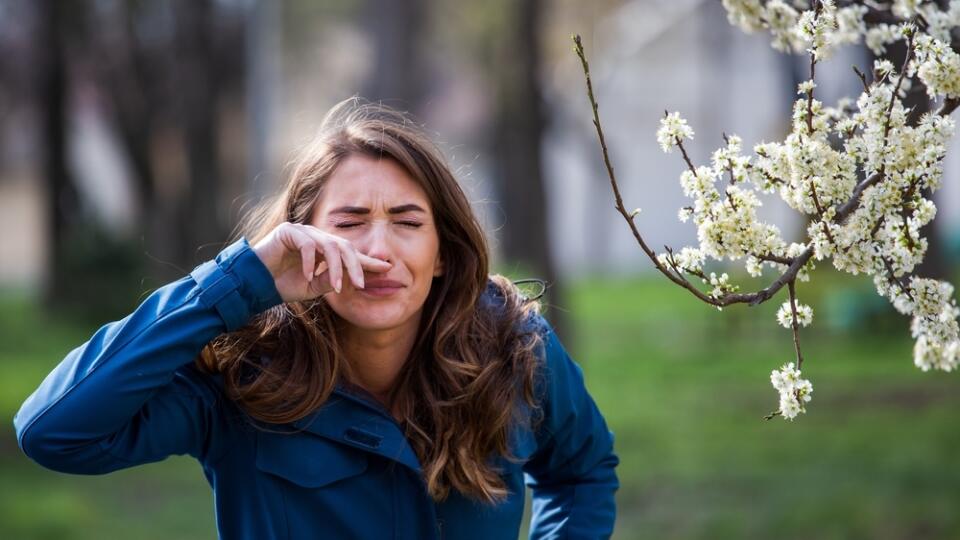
<point>369,321</point>
<point>374,315</point>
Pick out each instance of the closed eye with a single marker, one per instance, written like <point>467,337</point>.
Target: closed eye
<point>412,224</point>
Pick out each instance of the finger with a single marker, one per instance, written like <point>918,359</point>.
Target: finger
<point>352,263</point>
<point>307,248</point>
<point>308,255</point>
<point>347,253</point>
<point>373,264</point>
<point>331,254</point>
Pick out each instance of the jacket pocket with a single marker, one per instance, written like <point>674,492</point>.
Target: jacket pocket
<point>308,460</point>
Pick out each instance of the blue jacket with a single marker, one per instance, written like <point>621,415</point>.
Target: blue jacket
<point>132,395</point>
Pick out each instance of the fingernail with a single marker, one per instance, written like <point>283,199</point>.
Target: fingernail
<point>339,285</point>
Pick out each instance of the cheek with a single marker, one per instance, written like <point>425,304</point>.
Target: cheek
<point>429,254</point>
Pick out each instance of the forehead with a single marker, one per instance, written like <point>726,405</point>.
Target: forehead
<point>371,182</point>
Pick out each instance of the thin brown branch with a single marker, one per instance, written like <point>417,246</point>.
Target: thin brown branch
<point>686,157</point>
<point>876,227</point>
<point>771,179</point>
<point>679,279</point>
<point>813,65</point>
<point>894,279</point>
<point>733,180</point>
<point>796,324</point>
<point>848,207</point>
<point>896,89</point>
<point>851,205</point>
<point>673,262</point>
<point>949,105</point>
<point>725,300</point>
<point>818,7</point>
<point>911,243</point>
<point>823,223</point>
<point>775,258</point>
<point>863,79</point>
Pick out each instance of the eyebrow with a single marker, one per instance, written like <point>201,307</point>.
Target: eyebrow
<point>361,210</point>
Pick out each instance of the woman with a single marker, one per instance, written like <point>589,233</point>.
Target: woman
<point>347,368</point>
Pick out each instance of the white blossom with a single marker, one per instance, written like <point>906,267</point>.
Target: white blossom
<point>883,67</point>
<point>850,25</point>
<point>939,67</point>
<point>794,391</point>
<point>690,259</point>
<point>721,285</point>
<point>747,14</point>
<point>785,315</point>
<point>673,130</point>
<point>929,355</point>
<point>806,87</point>
<point>754,266</point>
<point>781,19</point>
<point>940,22</point>
<point>817,28</point>
<point>930,296</point>
<point>814,174</point>
<point>905,9</point>
<point>878,37</point>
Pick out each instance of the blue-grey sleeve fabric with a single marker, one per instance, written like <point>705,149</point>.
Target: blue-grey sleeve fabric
<point>130,394</point>
<point>572,473</point>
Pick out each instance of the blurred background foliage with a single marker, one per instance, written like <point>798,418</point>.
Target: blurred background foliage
<point>135,134</point>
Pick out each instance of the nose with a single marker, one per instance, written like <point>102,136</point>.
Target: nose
<point>376,243</point>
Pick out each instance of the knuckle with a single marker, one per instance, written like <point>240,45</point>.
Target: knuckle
<point>344,244</point>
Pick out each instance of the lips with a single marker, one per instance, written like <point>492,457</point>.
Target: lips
<point>381,287</point>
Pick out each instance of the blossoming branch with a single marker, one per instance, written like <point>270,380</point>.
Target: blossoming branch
<point>864,196</point>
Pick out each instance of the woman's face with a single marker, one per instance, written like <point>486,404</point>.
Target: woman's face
<point>377,206</point>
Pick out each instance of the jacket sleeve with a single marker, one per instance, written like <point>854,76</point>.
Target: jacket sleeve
<point>129,395</point>
<point>571,474</point>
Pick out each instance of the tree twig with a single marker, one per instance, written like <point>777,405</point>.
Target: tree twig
<point>796,324</point>
<point>863,79</point>
<point>813,65</point>
<point>752,299</point>
<point>677,278</point>
<point>949,105</point>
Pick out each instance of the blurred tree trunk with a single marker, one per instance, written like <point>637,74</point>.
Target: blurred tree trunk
<point>201,230</point>
<point>52,100</point>
<point>517,134</point>
<point>167,89</point>
<point>399,75</point>
<point>262,80</point>
<point>129,75</point>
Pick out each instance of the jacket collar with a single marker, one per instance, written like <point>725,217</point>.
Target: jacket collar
<point>350,417</point>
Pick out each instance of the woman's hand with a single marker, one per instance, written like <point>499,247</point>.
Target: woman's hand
<point>306,262</point>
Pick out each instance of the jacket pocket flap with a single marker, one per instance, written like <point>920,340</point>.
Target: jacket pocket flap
<point>308,460</point>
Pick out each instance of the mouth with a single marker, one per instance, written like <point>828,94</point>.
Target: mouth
<point>381,287</point>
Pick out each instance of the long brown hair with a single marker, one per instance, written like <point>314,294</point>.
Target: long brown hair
<point>473,360</point>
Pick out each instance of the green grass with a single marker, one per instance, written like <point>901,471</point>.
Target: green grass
<point>684,389</point>
<point>164,500</point>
